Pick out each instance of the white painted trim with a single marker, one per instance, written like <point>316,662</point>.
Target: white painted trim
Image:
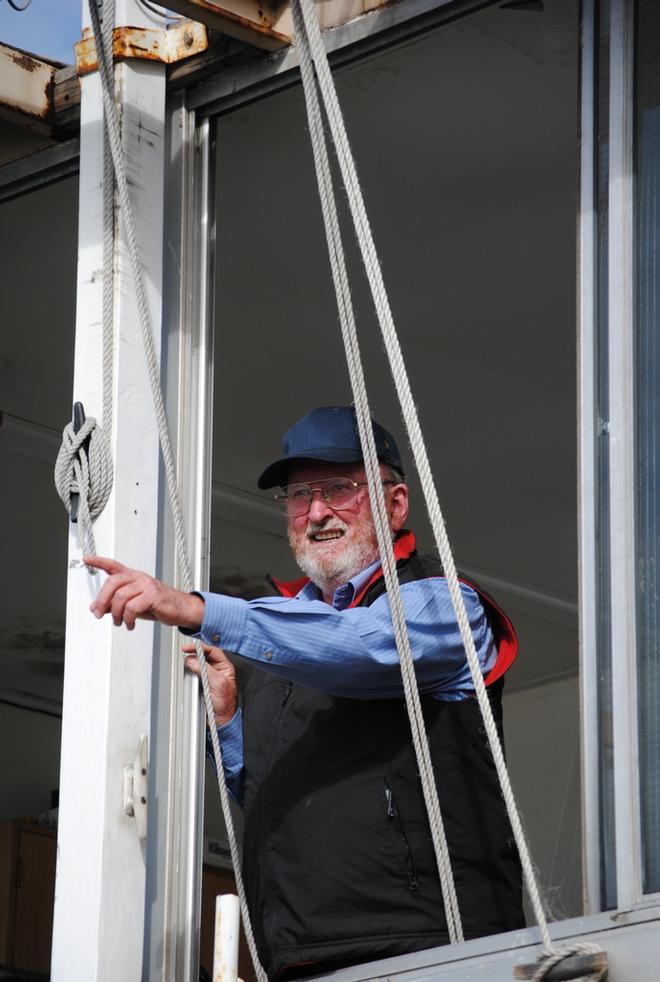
<point>175,852</point>
<point>621,432</point>
<point>100,886</point>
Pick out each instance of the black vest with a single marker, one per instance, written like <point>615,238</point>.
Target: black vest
<point>338,860</point>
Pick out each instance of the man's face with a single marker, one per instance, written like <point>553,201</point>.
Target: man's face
<point>331,546</point>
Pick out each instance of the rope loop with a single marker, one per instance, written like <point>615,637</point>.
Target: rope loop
<point>548,961</point>
<point>84,468</point>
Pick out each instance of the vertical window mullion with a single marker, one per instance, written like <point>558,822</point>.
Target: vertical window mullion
<point>621,450</point>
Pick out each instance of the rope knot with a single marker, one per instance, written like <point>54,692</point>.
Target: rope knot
<point>590,964</point>
<point>84,469</point>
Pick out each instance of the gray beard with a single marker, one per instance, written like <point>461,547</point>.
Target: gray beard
<point>329,573</point>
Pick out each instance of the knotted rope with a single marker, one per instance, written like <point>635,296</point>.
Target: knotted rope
<point>548,962</point>
<point>84,468</point>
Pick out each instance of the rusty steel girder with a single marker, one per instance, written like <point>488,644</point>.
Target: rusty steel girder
<point>176,42</point>
<point>267,24</point>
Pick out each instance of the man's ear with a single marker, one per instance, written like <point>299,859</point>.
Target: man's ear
<point>398,506</point>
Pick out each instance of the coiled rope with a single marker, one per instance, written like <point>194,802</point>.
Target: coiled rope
<point>549,961</point>
<point>84,468</point>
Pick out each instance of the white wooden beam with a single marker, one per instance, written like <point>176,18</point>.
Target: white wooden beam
<point>100,890</point>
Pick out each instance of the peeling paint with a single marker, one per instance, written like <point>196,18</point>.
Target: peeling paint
<point>21,60</point>
<point>172,44</point>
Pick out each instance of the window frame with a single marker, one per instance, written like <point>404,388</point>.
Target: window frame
<point>630,933</point>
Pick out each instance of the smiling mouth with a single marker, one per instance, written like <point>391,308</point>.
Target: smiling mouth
<point>326,535</point>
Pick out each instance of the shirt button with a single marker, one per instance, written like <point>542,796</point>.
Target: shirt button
<point>268,655</point>
<point>215,637</point>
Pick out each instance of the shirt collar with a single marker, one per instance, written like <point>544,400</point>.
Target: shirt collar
<point>345,593</point>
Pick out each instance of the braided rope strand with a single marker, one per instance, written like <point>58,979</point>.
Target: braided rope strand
<point>84,468</point>
<point>356,373</point>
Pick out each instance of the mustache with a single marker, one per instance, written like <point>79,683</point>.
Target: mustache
<point>332,525</point>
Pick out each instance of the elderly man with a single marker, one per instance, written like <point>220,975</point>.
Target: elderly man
<point>338,861</point>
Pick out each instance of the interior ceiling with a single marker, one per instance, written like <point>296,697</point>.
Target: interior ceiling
<point>466,146</point>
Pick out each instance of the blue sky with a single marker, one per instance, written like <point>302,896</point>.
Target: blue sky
<point>47,27</point>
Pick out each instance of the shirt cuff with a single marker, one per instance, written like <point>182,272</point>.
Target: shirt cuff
<point>224,620</point>
<point>230,737</point>
<point>190,632</point>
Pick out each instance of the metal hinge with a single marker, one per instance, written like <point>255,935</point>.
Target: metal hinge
<point>136,776</point>
<point>174,43</point>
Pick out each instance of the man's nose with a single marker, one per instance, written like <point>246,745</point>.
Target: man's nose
<point>319,507</point>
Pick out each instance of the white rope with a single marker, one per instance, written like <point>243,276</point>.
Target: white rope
<point>311,36</point>
<point>84,462</point>
<point>108,226</point>
<point>363,415</point>
<point>547,963</point>
<point>144,315</point>
<point>84,468</point>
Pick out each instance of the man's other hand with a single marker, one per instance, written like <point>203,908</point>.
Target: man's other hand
<point>129,595</point>
<point>222,680</point>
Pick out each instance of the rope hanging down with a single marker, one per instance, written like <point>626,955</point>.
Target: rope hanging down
<point>311,47</point>
<point>372,467</point>
<point>144,316</point>
<point>83,469</point>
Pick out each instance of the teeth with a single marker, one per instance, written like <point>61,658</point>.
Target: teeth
<point>330,534</point>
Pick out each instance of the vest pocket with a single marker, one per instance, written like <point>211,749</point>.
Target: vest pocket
<point>402,844</point>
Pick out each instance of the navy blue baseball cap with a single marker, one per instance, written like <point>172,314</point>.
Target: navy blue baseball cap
<point>329,433</point>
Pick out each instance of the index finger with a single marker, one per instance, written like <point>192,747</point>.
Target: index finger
<point>110,566</point>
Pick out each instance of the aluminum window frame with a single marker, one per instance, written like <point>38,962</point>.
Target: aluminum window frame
<point>618,337</point>
<point>639,914</point>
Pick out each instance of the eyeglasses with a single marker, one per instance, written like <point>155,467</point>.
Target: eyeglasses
<point>340,493</point>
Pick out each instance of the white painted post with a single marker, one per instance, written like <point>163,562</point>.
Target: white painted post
<point>100,888</point>
<point>225,950</point>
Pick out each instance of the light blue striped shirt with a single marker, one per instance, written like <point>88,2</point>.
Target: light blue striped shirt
<point>347,651</point>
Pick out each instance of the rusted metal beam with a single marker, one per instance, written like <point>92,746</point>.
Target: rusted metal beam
<point>179,41</point>
<point>254,21</point>
<point>267,23</point>
<point>26,90</point>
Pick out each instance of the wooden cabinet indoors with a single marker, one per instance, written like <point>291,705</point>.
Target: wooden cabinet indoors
<point>27,890</point>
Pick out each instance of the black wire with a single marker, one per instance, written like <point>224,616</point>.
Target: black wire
<point>17,6</point>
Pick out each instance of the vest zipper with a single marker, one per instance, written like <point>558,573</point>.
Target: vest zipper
<point>393,814</point>
<point>287,693</point>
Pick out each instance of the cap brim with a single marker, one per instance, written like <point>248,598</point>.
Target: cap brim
<point>276,474</point>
